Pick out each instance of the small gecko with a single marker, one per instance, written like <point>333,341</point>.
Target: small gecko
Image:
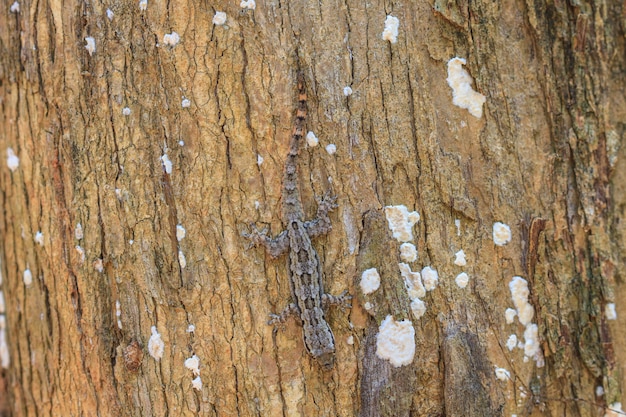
<point>305,270</point>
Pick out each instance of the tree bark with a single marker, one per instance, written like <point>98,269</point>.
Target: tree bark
<point>96,130</point>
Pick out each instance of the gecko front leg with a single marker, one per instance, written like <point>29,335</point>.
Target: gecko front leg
<point>275,247</point>
<point>322,225</point>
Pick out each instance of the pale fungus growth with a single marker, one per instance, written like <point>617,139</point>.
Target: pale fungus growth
<point>259,160</point>
<point>78,231</point>
<point>501,234</point>
<point>408,252</point>
<point>219,18</point>
<point>395,341</point>
<point>28,277</point>
<point>171,39</point>
<point>462,280</point>
<point>118,314</point>
<point>390,33</point>
<point>347,91</point>
<point>418,307</point>
<point>511,342</point>
<point>350,340</point>
<point>81,254</point>
<point>13,162</point>
<point>614,410</point>
<point>502,374</point>
<point>519,294</point>
<point>167,164</point>
<point>193,364</point>
<point>126,111</point>
<point>430,277</point>
<point>401,222</point>
<point>509,315</point>
<point>98,265</point>
<point>181,232</point>
<point>185,103</point>
<point>463,95</point>
<point>370,281</point>
<point>110,14</point>
<point>331,148</point>
<point>181,259</point>
<point>460,258</point>
<point>191,328</point>
<point>311,139</point>
<point>609,311</point>
<point>412,282</point>
<point>156,346</point>
<point>90,45</point>
<point>197,383</point>
<point>248,4</point>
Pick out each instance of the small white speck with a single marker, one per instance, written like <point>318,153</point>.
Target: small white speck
<point>457,223</point>
<point>39,238</point>
<point>171,39</point>
<point>502,374</point>
<point>311,139</point>
<point>167,164</point>
<point>609,311</point>
<point>197,383</point>
<point>347,91</point>
<point>395,341</point>
<point>131,241</point>
<point>185,103</point>
<point>181,232</point>
<point>248,4</point>
<point>462,279</point>
<point>156,346</point>
<point>370,281</point>
<point>368,306</point>
<point>219,19</point>
<point>331,149</point>
<point>430,278</point>
<point>257,205</point>
<point>28,278</point>
<point>350,340</point>
<point>181,259</point>
<point>418,307</point>
<point>181,143</point>
<point>118,314</point>
<point>91,45</point>
<point>118,193</point>
<point>460,258</point>
<point>501,234</point>
<point>259,160</point>
<point>509,315</point>
<point>81,254</point>
<point>191,328</point>
<point>408,252</point>
<point>511,342</point>
<point>98,265</point>
<point>110,14</point>
<point>193,364</point>
<point>126,111</point>
<point>143,5</point>
<point>390,33</point>
<point>13,162</point>
<point>78,231</point>
<point>599,391</point>
<point>15,7</point>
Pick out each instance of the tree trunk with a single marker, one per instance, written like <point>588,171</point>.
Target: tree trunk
<point>144,156</point>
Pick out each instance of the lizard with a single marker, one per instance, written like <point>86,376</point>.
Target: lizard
<point>305,270</point>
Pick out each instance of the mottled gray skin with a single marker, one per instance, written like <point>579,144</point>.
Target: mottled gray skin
<point>305,270</point>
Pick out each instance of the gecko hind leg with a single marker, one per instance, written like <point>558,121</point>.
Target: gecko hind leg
<point>342,300</point>
<point>322,225</point>
<point>280,319</point>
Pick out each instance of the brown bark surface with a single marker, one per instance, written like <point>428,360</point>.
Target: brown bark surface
<point>546,158</point>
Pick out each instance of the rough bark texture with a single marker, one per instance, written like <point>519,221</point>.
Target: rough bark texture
<point>546,158</point>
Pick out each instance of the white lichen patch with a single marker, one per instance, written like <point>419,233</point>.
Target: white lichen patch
<point>27,277</point>
<point>457,224</point>
<point>156,346</point>
<point>15,7</point>
<point>412,282</point>
<point>614,410</point>
<point>401,222</point>
<point>182,261</point>
<point>259,160</point>
<point>350,340</point>
<point>90,45</point>
<point>395,341</point>
<point>110,14</point>
<point>185,103</point>
<point>519,294</point>
<point>463,95</point>
<point>171,39</point>
<point>599,391</point>
<point>509,315</point>
<point>408,252</point>
<point>13,162</point>
<point>370,281</point>
<point>219,18</point>
<point>331,148</point>
<point>311,139</point>
<point>501,234</point>
<point>98,265</point>
<point>167,164</point>
<point>126,111</point>
<point>78,231</point>
<point>511,342</point>
<point>143,5</point>
<point>531,341</point>
<point>181,232</point>
<point>81,254</point>
<point>39,238</point>
<point>248,4</point>
<point>196,383</point>
<point>462,280</point>
<point>460,258</point>
<point>191,328</point>
<point>193,364</point>
<point>390,33</point>
<point>502,374</point>
<point>430,277</point>
<point>347,91</point>
<point>118,313</point>
<point>609,311</point>
<point>418,308</point>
